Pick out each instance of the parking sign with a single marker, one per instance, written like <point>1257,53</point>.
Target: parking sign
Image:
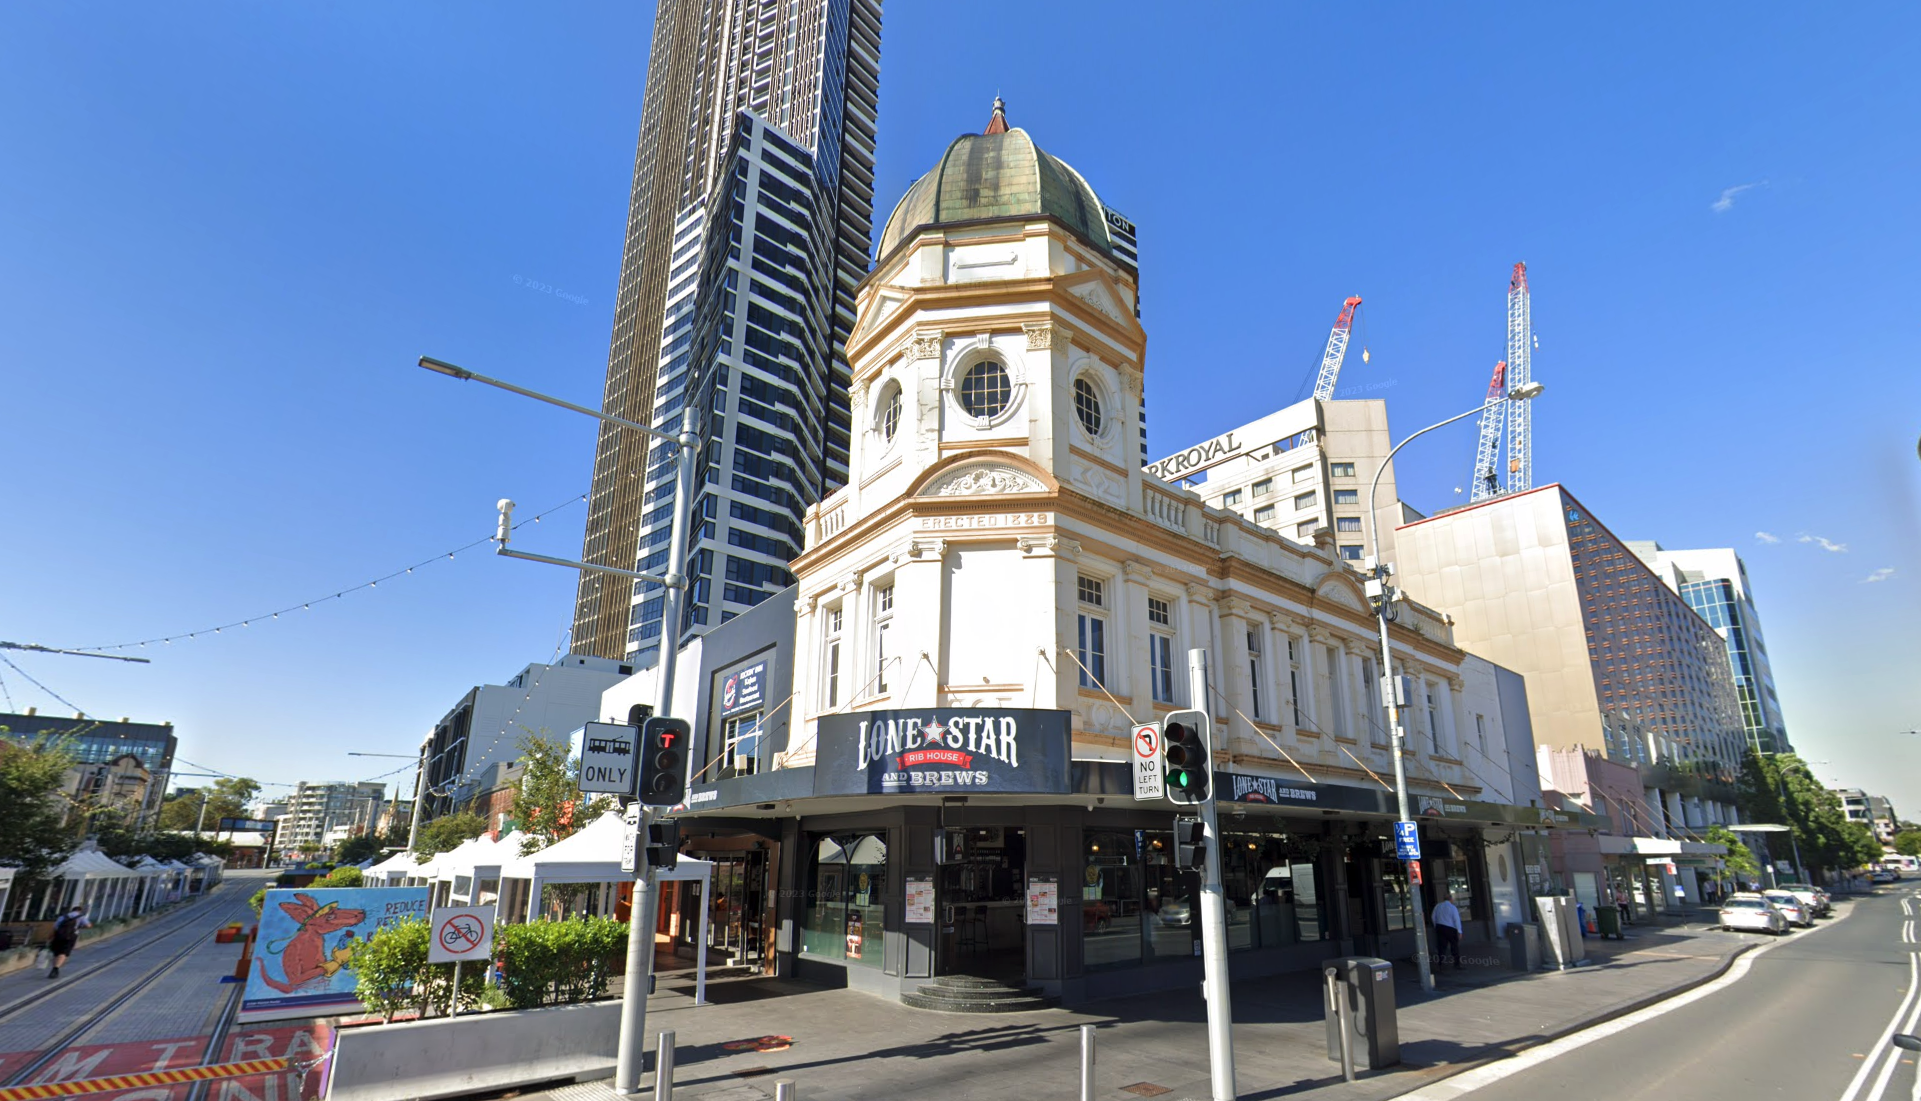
<point>1407,840</point>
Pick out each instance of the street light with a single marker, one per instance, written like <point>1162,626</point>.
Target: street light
<point>630,1056</point>
<point>1382,595</point>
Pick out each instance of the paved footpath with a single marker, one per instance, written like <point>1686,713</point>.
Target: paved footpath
<point>849,1046</point>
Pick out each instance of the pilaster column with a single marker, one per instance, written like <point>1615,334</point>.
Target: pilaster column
<point>1232,677</point>
<point>1135,579</point>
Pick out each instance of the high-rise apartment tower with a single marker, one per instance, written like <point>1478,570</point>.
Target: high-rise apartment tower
<point>811,70</point>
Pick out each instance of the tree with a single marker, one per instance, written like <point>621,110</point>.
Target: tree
<point>356,849</point>
<point>227,798</point>
<point>1908,842</point>
<point>445,833</point>
<point>548,805</point>
<point>1779,788</point>
<point>32,835</point>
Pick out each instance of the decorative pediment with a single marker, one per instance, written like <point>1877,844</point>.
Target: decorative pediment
<point>1100,298</point>
<point>981,479</point>
<point>1336,588</point>
<point>885,305</point>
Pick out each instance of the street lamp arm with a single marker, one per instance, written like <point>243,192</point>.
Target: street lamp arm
<point>441,366</point>
<point>1374,487</point>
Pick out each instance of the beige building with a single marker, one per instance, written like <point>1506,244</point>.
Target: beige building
<point>1614,659</point>
<point>1298,470</point>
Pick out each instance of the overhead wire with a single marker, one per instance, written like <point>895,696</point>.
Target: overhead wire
<point>30,680</point>
<point>307,605</point>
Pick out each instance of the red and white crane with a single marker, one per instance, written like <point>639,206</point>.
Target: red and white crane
<point>1488,455</point>
<point>1336,351</point>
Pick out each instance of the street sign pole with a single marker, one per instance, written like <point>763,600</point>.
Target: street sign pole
<point>631,1057</point>
<point>1220,1009</point>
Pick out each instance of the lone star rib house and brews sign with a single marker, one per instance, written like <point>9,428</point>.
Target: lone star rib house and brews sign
<point>943,751</point>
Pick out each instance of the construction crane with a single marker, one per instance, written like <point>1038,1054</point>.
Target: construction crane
<point>1520,373</point>
<point>1336,351</point>
<point>1488,454</point>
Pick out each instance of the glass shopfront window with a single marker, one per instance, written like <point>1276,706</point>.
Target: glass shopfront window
<point>1111,900</point>
<point>846,892</point>
<point>1397,907</point>
<point>1274,895</point>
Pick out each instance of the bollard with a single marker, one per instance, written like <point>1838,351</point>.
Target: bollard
<point>783,1091</point>
<point>1087,1063</point>
<point>1337,998</point>
<point>664,1068</point>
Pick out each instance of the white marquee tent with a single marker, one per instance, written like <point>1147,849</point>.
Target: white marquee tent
<point>593,856</point>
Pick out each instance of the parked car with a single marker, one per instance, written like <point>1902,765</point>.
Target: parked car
<point>1883,875</point>
<point>1752,912</point>
<point>1817,899</point>
<point>1791,906</point>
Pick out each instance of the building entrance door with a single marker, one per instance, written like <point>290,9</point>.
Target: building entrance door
<point>734,923</point>
<point>983,929</point>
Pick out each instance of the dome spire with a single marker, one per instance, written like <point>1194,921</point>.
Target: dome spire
<point>997,124</point>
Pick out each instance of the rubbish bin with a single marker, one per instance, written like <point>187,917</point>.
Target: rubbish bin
<point>1607,922</point>
<point>1368,985</point>
<point>1517,953</point>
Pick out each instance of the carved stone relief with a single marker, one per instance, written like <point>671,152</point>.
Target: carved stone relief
<point>975,480</point>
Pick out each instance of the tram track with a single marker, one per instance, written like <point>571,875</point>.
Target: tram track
<point>72,1035</point>
<point>163,929</point>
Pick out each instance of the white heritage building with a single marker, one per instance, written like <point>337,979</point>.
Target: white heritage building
<point>1000,592</point>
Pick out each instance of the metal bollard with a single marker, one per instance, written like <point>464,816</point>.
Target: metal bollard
<point>664,1068</point>
<point>1337,998</point>
<point>783,1091</point>
<point>1087,1063</point>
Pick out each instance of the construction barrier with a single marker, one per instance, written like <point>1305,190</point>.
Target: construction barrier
<point>135,1081</point>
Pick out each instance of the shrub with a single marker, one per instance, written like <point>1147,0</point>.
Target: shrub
<point>545,962</point>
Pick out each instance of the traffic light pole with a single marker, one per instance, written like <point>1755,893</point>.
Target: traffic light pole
<point>1220,1009</point>
<point>631,1058</point>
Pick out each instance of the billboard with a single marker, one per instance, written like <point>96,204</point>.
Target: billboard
<point>300,964</point>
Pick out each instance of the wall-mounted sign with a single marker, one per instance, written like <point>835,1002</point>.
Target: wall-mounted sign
<point>920,902</point>
<point>943,751</point>
<point>1043,900</point>
<point>743,690</point>
<point>992,520</point>
<point>607,757</point>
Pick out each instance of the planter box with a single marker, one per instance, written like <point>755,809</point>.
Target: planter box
<point>475,1053</point>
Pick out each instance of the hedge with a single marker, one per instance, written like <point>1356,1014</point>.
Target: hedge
<point>544,962</point>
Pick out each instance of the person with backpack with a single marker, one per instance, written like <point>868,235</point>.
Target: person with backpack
<point>66,934</point>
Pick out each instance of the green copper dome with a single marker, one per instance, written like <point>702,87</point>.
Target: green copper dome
<point>998,174</point>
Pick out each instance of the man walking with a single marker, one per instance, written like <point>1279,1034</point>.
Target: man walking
<point>66,934</point>
<point>1447,930</point>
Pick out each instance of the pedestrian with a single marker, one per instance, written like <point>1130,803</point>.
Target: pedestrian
<point>1621,903</point>
<point>1447,930</point>
<point>66,933</point>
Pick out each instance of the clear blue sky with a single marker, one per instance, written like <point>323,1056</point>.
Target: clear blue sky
<point>226,232</point>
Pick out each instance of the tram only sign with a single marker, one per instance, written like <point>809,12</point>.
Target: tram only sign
<point>1149,781</point>
<point>608,755</point>
<point>459,933</point>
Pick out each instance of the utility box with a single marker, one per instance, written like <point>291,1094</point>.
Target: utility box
<point>1523,946</point>
<point>1561,931</point>
<point>1375,1031</point>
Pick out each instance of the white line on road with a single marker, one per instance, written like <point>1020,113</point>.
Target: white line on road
<point>1462,1084</point>
<point>1893,1054</point>
<point>1880,1047</point>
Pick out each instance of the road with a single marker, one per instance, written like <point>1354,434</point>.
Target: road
<point>1805,1017</point>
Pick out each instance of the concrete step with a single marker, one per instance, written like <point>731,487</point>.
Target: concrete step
<point>1019,1003</point>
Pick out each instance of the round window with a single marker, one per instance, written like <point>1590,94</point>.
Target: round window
<point>1087,406</point>
<point>890,414</point>
<point>984,390</point>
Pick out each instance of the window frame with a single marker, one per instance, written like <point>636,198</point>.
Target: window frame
<point>1091,631</point>
<point>882,623</point>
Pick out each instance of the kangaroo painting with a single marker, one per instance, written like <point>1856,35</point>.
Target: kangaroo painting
<point>306,956</point>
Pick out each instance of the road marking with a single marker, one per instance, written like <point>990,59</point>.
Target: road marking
<point>1880,1047</point>
<point>1893,1053</point>
<point>1462,1084</point>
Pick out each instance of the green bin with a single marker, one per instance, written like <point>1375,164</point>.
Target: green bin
<point>1607,921</point>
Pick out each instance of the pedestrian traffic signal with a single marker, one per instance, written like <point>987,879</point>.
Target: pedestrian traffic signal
<point>1185,752</point>
<point>663,844</point>
<point>1190,843</point>
<point>663,761</point>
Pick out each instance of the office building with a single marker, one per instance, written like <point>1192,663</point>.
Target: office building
<point>99,749</point>
<point>1873,811</point>
<point>1296,471</point>
<point>917,759</point>
<point>1715,584</point>
<point>1615,660</point>
<point>809,68</point>
<point>486,726</point>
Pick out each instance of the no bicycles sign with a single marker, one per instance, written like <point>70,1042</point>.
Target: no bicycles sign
<point>460,933</point>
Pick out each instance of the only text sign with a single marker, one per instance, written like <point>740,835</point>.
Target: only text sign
<point>608,753</point>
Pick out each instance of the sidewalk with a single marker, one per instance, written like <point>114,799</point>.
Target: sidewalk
<point>849,1046</point>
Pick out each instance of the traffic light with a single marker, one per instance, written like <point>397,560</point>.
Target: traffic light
<point>1190,843</point>
<point>1184,750</point>
<point>664,747</point>
<point>663,844</point>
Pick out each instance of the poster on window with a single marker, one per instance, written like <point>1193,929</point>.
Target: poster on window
<point>920,902</point>
<point>1043,900</point>
<point>943,750</point>
<point>854,929</point>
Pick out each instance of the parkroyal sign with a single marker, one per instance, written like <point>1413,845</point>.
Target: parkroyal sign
<point>942,751</point>
<point>1194,458</point>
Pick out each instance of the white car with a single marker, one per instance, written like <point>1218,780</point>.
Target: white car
<point>1791,906</point>
<point>1816,899</point>
<point>1752,912</point>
